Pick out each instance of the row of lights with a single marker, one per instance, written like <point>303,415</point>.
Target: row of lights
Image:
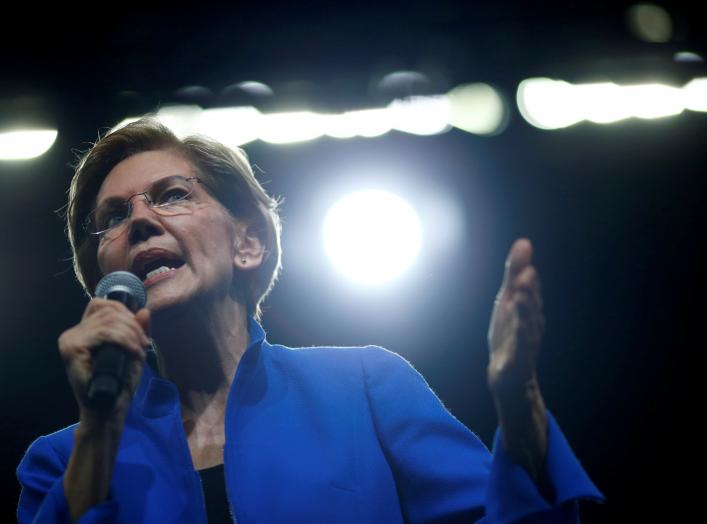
<point>475,108</point>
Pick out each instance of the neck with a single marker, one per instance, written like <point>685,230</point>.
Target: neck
<point>200,347</point>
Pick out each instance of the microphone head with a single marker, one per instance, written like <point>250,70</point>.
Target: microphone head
<point>123,286</point>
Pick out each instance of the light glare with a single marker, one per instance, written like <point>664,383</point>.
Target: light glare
<point>372,236</point>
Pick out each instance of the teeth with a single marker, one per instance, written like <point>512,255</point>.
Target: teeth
<point>161,269</point>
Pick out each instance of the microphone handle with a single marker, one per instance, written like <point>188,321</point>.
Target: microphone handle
<point>109,369</point>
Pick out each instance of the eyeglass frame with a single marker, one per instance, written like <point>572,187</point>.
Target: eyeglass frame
<point>146,194</point>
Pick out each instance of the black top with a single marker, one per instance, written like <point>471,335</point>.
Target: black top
<point>214,484</point>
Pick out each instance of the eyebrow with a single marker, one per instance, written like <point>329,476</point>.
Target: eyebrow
<point>113,200</point>
<point>119,200</point>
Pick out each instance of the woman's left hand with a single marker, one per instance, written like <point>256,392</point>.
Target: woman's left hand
<point>515,333</point>
<point>517,323</point>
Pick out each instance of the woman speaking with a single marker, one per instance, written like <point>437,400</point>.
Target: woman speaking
<point>224,426</point>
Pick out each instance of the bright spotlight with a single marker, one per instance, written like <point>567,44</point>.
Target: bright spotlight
<point>23,145</point>
<point>372,236</point>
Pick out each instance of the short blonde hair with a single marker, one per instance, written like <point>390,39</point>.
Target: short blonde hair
<point>228,175</point>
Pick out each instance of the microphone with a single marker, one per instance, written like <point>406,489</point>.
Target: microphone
<point>110,360</point>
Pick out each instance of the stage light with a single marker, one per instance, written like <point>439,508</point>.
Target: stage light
<point>477,108</point>
<point>26,144</point>
<point>547,103</point>
<point>286,128</point>
<point>554,104</point>
<point>654,100</point>
<point>601,103</point>
<point>696,94</point>
<point>421,115</point>
<point>372,236</point>
<point>233,126</point>
<point>182,120</point>
<point>367,123</point>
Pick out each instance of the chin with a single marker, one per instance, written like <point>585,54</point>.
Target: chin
<point>162,303</point>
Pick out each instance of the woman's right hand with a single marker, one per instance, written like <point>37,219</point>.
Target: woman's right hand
<point>88,474</point>
<point>104,321</point>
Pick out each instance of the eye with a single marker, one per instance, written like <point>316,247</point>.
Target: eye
<point>108,218</point>
<point>113,218</point>
<point>172,195</point>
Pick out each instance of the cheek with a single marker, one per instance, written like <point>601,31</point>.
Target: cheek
<point>107,260</point>
<point>218,238</point>
<point>217,248</point>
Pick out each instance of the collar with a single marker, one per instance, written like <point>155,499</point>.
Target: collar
<point>157,397</point>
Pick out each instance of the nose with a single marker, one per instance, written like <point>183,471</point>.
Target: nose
<point>143,222</point>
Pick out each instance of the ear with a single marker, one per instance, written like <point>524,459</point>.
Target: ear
<point>248,250</point>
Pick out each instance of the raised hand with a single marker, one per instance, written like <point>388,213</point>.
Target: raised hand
<point>517,323</point>
<point>515,333</point>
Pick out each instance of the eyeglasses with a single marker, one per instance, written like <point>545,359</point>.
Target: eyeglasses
<point>169,196</point>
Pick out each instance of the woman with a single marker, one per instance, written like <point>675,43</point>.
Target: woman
<point>307,435</point>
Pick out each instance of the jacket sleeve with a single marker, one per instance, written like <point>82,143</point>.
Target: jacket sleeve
<point>42,499</point>
<point>442,470</point>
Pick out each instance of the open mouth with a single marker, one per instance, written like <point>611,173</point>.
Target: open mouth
<point>157,267</point>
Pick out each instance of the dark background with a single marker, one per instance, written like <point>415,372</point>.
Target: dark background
<point>615,212</point>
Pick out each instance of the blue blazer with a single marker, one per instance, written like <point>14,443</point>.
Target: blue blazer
<point>313,435</point>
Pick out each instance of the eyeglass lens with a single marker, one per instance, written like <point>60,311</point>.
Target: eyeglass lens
<point>167,196</point>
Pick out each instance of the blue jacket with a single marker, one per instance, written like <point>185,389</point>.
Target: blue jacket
<point>313,435</point>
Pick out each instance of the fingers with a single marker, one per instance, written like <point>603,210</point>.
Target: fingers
<point>104,322</point>
<point>517,322</point>
<point>519,257</point>
<point>521,289</point>
<point>526,288</point>
<point>122,328</point>
<point>528,305</point>
<point>528,282</point>
<point>107,321</point>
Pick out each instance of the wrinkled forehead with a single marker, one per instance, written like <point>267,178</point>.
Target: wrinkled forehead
<point>137,172</point>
